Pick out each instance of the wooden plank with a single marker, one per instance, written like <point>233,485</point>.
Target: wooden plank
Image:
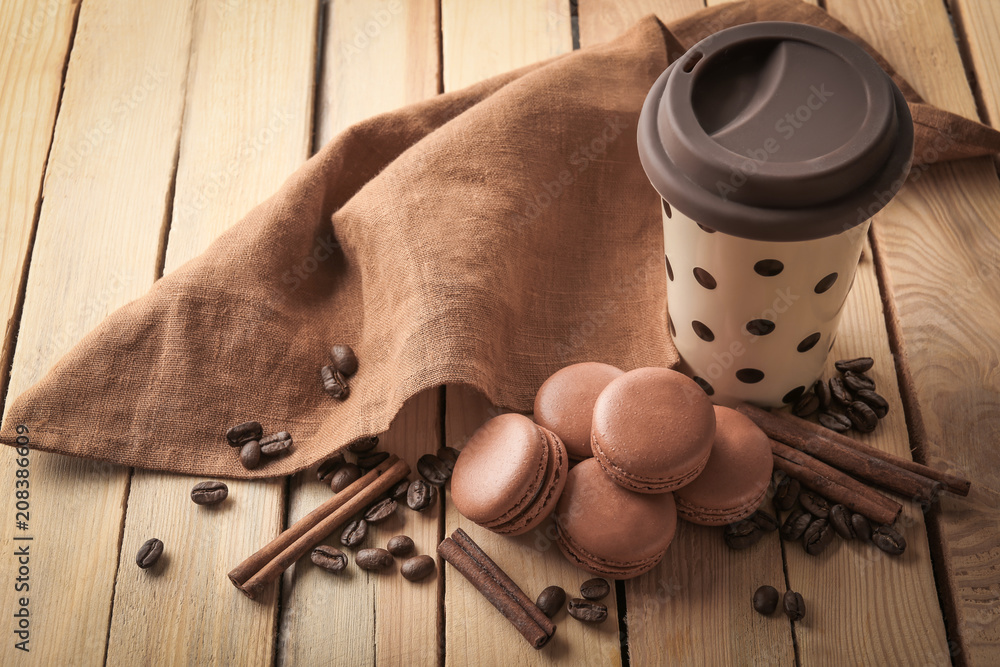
<point>95,249</point>
<point>938,243</point>
<point>32,61</point>
<point>978,22</point>
<point>378,618</point>
<point>247,123</point>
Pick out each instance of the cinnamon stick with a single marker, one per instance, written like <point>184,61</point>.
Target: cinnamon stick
<point>834,485</point>
<point>499,589</point>
<point>264,567</point>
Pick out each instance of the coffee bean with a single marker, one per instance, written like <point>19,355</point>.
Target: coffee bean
<point>240,433</point>
<point>328,467</point>
<point>362,445</point>
<point>275,444</point>
<point>765,521</point>
<point>741,535</point>
<point>889,540</point>
<point>786,493</point>
<point>835,421</point>
<point>551,600</point>
<point>595,589</point>
<point>420,495</point>
<point>433,469</point>
<point>250,454</point>
<point>398,492</point>
<point>862,527</point>
<point>859,365</point>
<point>795,524</point>
<point>765,600</point>
<point>817,537</point>
<point>329,558</point>
<point>344,476</point>
<point>381,511</point>
<point>354,533</point>
<point>794,605</point>
<point>862,417</point>
<point>344,359</point>
<point>587,611</point>
<point>149,553</point>
<point>209,493</point>
<point>822,391</point>
<point>400,545</point>
<point>814,504</point>
<point>449,455</point>
<point>371,460</point>
<point>858,381</point>
<point>805,406</point>
<point>840,519</point>
<point>876,402</point>
<point>334,382</point>
<point>417,568</point>
<point>839,391</point>
<point>373,559</point>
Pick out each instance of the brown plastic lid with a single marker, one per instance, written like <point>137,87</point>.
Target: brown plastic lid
<point>776,131</point>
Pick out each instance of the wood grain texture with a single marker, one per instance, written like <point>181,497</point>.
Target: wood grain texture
<point>358,617</point>
<point>99,227</point>
<point>246,127</point>
<point>978,23</point>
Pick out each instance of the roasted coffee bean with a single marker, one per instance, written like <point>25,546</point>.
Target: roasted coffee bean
<point>862,527</point>
<point>817,537</point>
<point>795,524</point>
<point>840,519</point>
<point>240,433</point>
<point>328,467</point>
<point>786,493</point>
<point>275,444</point>
<point>398,492</point>
<point>373,559</point>
<point>209,493</point>
<point>742,535</point>
<point>815,504</point>
<point>371,460</point>
<point>354,533</point>
<point>807,405</point>
<point>344,476</point>
<point>250,454</point>
<point>362,445</point>
<point>420,495</point>
<point>835,421</point>
<point>876,402</point>
<point>794,605</point>
<point>587,611</point>
<point>822,391</point>
<point>889,540</point>
<point>862,417</point>
<point>859,365</point>
<point>839,391</point>
<point>858,381</point>
<point>417,568</point>
<point>433,469</point>
<point>551,600</point>
<point>149,553</point>
<point>334,382</point>
<point>344,359</point>
<point>765,521</point>
<point>765,600</point>
<point>595,589</point>
<point>381,511</point>
<point>400,545</point>
<point>329,558</point>
<point>449,455</point>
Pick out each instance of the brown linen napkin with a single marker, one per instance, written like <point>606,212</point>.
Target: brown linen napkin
<point>488,236</point>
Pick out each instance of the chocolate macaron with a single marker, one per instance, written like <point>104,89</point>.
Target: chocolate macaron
<point>734,482</point>
<point>565,402</point>
<point>611,531</point>
<point>509,475</point>
<point>652,430</point>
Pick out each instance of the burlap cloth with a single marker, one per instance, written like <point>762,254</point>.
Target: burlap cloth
<point>488,236</point>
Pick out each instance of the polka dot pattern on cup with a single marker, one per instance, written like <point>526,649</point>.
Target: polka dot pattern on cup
<point>749,375</point>
<point>760,327</point>
<point>826,283</point>
<point>704,385</point>
<point>708,230</point>
<point>670,269</point>
<point>702,331</point>
<point>666,208</point>
<point>670,327</point>
<point>768,267</point>
<point>704,278</point>
<point>793,395</point>
<point>809,342</point>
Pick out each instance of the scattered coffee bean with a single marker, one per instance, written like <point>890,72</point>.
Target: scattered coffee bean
<point>354,533</point>
<point>742,535</point>
<point>815,504</point>
<point>795,524</point>
<point>840,519</point>
<point>417,568</point>
<point>344,359</point>
<point>398,492</point>
<point>786,493</point>
<point>859,365</point>
<point>862,417</point>
<point>372,459</point>
<point>889,540</point>
<point>835,421</point>
<point>807,405</point>
<point>381,511</point>
<point>765,521</point>
<point>334,382</point>
<point>587,611</point>
<point>240,433</point>
<point>433,469</point>
<point>765,600</point>
<point>373,559</point>
<point>329,558</point>
<point>595,589</point>
<point>839,391</point>
<point>875,401</point>
<point>817,537</point>
<point>858,381</point>
<point>328,467</point>
<point>551,600</point>
<point>449,455</point>
<point>862,527</point>
<point>400,545</point>
<point>822,391</point>
<point>362,445</point>
<point>344,476</point>
<point>275,444</point>
<point>794,605</point>
<point>149,553</point>
<point>420,495</point>
<point>250,454</point>
<point>209,493</point>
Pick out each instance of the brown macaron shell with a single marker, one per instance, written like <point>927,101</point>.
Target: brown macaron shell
<point>734,482</point>
<point>606,529</point>
<point>552,487</point>
<point>565,402</point>
<point>653,430</point>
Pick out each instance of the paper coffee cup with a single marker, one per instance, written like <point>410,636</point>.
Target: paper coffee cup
<point>771,145</point>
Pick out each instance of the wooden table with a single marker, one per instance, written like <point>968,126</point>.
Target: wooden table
<point>132,134</point>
